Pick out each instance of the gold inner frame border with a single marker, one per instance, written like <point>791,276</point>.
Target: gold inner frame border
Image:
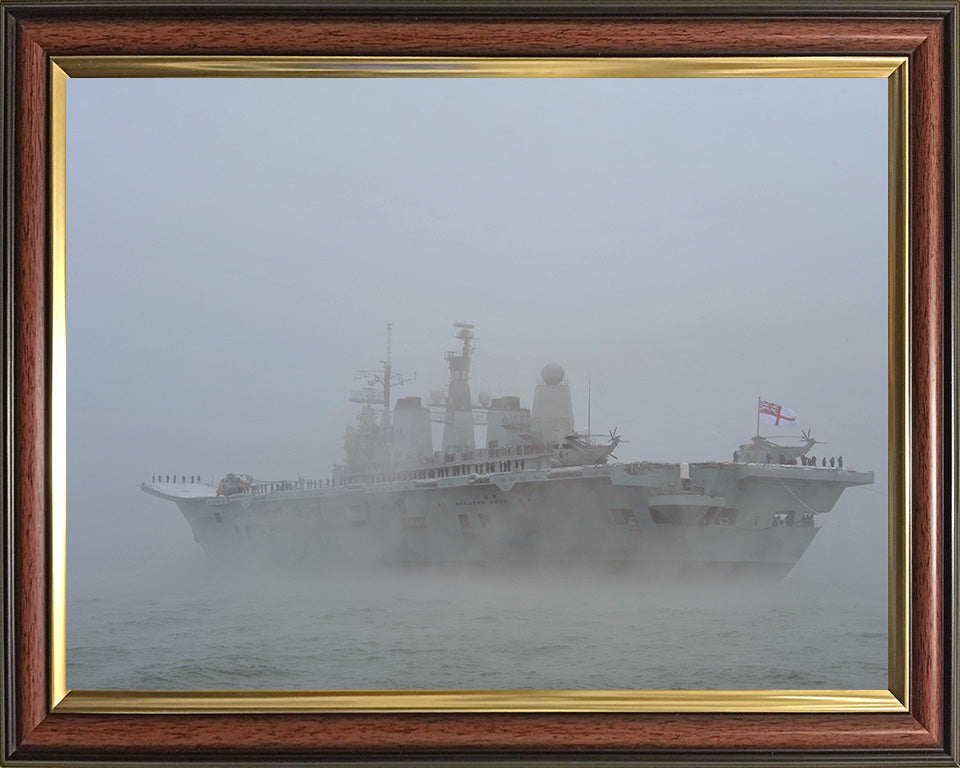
<point>895,699</point>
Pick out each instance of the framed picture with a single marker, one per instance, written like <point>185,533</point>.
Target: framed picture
<point>205,261</point>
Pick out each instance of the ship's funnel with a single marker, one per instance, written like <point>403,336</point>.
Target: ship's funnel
<point>412,439</point>
<point>507,423</point>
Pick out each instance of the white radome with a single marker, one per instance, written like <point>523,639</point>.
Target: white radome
<point>552,373</point>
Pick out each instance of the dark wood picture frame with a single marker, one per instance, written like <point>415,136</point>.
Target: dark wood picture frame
<point>925,32</point>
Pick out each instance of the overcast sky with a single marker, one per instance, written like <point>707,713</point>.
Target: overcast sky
<point>236,247</point>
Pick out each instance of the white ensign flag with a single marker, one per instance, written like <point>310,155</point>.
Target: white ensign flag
<point>778,415</point>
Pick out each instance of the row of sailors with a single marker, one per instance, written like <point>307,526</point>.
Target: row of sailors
<point>806,461</point>
<point>812,462</point>
<point>183,479</point>
<point>416,474</point>
<point>435,472</point>
<point>287,485</point>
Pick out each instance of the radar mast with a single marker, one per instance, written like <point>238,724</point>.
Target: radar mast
<point>377,384</point>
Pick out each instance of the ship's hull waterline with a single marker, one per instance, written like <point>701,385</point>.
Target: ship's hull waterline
<point>716,518</point>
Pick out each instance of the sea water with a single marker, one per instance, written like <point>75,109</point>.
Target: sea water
<point>477,629</point>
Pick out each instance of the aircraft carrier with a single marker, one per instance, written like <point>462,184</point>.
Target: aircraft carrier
<point>538,493</point>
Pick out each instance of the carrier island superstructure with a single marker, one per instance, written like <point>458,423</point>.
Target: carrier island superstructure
<point>538,493</point>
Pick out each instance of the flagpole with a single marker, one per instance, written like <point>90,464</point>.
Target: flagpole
<point>589,383</point>
<point>758,417</point>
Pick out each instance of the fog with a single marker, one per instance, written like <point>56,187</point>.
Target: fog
<point>236,247</point>
<point>477,628</point>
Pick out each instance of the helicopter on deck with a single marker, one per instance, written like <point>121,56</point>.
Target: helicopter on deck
<point>578,450</point>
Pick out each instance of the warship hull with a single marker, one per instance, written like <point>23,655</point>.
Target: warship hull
<point>750,520</point>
